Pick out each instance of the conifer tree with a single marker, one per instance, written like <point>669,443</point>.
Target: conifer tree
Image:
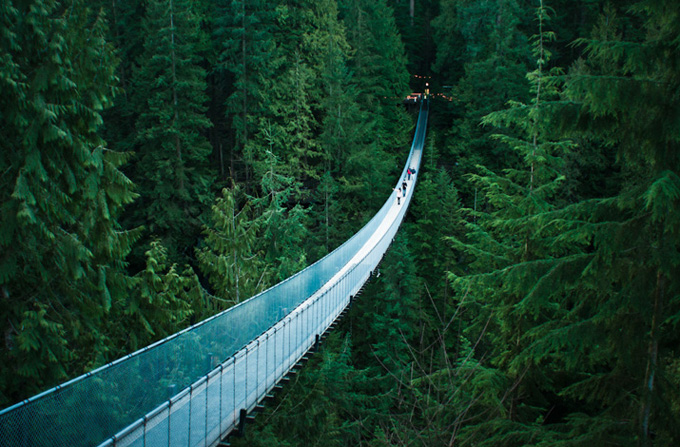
<point>413,19</point>
<point>61,192</point>
<point>387,338</point>
<point>343,129</point>
<point>282,229</point>
<point>623,100</point>
<point>163,300</point>
<point>230,256</point>
<point>378,60</point>
<point>247,52</point>
<point>126,34</point>
<point>329,216</point>
<point>378,130</point>
<point>378,66</point>
<point>171,167</point>
<point>394,319</point>
<point>578,304</point>
<point>517,260</point>
<point>435,210</point>
<point>289,127</point>
<point>490,41</point>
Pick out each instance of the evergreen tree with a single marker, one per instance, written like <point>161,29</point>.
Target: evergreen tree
<point>61,192</point>
<point>572,298</point>
<point>282,230</point>
<point>378,63</point>
<point>126,34</point>
<point>496,56</point>
<point>230,258</point>
<point>436,216</point>
<point>171,167</point>
<point>387,332</point>
<point>622,99</point>
<point>248,53</point>
<point>343,129</point>
<point>414,21</point>
<point>516,260</point>
<point>163,301</point>
<point>289,128</point>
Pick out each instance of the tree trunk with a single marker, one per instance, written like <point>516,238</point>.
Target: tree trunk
<point>245,73</point>
<point>178,146</point>
<point>123,78</point>
<point>652,357</point>
<point>244,135</point>
<point>327,218</point>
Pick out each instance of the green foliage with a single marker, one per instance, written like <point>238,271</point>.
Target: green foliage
<point>247,52</point>
<point>568,298</point>
<point>171,166</point>
<point>413,19</point>
<point>162,302</point>
<point>379,131</point>
<point>61,192</point>
<point>282,228</point>
<point>229,256</point>
<point>436,216</point>
<point>492,45</point>
<point>126,34</point>
<point>627,104</point>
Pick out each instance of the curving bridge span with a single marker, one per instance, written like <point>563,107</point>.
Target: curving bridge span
<point>197,386</point>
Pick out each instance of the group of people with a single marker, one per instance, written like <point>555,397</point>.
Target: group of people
<point>402,191</point>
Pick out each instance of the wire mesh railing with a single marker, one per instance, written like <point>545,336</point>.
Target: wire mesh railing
<point>190,388</point>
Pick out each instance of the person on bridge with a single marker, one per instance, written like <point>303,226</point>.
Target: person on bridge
<point>408,173</point>
<point>398,195</point>
<point>403,185</point>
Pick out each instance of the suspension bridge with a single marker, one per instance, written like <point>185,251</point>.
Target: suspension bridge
<point>196,387</point>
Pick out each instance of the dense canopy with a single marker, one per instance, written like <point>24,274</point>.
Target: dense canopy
<point>162,160</point>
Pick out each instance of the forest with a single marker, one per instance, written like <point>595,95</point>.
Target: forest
<point>164,160</point>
